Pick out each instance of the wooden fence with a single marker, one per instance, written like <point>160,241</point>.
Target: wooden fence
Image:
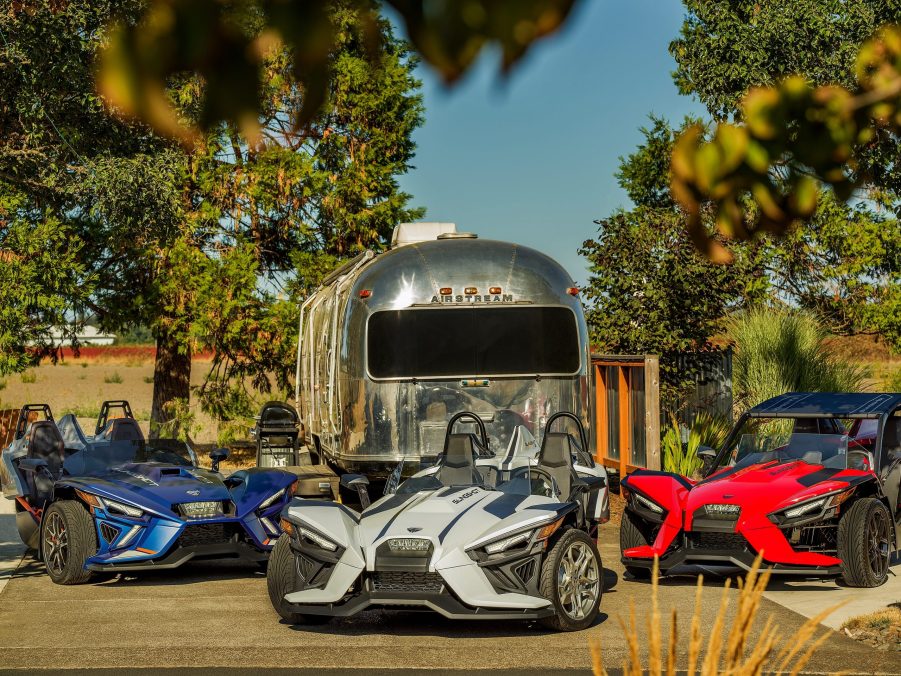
<point>627,411</point>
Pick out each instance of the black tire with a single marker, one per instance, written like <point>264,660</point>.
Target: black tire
<point>554,582</point>
<point>630,535</point>
<point>281,579</point>
<point>865,543</point>
<point>68,540</point>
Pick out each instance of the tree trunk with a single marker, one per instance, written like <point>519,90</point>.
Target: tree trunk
<point>171,381</point>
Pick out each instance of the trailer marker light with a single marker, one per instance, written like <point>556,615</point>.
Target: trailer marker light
<point>573,291</point>
<point>495,290</point>
<point>471,290</point>
<point>365,293</point>
<point>445,290</point>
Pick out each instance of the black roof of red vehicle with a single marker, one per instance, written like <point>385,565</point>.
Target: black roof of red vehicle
<point>828,405</point>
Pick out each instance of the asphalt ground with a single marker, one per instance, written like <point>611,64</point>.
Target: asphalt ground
<point>218,615</point>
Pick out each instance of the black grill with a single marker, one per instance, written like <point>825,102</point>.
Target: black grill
<point>109,532</point>
<point>402,581</point>
<point>525,571</point>
<point>204,534</point>
<point>718,541</point>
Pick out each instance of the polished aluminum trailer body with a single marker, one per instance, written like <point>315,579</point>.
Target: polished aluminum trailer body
<point>500,331</point>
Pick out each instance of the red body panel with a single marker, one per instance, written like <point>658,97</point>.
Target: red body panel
<point>759,490</point>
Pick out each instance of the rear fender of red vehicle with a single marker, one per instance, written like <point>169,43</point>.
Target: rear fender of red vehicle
<point>667,490</point>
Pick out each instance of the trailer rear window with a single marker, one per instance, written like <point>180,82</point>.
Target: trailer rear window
<point>480,341</point>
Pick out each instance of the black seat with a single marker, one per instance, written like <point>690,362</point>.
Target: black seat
<point>123,429</point>
<point>891,438</point>
<point>555,458</point>
<point>44,443</point>
<point>458,466</point>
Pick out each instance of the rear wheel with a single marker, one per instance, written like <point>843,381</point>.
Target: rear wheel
<point>67,541</point>
<point>281,579</point>
<point>572,579</point>
<point>864,543</point>
<point>631,536</point>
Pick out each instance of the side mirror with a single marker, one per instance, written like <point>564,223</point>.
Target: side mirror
<point>707,456</point>
<point>360,484</point>
<point>218,456</point>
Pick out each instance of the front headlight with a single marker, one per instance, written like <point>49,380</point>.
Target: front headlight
<point>268,502</point>
<point>510,540</point>
<point>317,539</point>
<point>648,504</point>
<point>114,507</point>
<point>812,508</point>
<point>506,543</point>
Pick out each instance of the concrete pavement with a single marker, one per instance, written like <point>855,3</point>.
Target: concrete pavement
<point>809,597</point>
<point>218,615</point>
<point>11,548</point>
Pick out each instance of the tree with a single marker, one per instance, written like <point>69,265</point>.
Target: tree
<point>207,37</point>
<point>650,290</point>
<point>843,262</point>
<point>199,242</point>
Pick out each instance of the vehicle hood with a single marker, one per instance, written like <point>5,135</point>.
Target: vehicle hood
<point>452,518</point>
<point>154,486</point>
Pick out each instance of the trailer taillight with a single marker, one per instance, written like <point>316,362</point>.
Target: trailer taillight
<point>471,290</point>
<point>365,293</point>
<point>494,290</point>
<point>445,291</point>
<point>573,291</point>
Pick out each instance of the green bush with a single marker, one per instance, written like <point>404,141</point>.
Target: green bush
<point>113,378</point>
<point>778,351</point>
<point>2,384</point>
<point>892,384</point>
<point>682,457</point>
<point>29,377</point>
<point>148,379</point>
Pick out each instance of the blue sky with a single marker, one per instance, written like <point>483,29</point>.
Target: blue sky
<point>531,159</point>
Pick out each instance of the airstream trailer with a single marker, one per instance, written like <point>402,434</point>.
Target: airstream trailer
<point>393,345</point>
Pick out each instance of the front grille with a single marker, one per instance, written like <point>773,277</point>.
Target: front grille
<point>716,541</point>
<point>205,534</point>
<point>407,582</point>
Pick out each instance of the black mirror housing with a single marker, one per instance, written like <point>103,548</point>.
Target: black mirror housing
<point>705,452</point>
<point>360,484</point>
<point>217,456</point>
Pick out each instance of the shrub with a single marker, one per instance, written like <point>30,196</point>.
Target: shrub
<point>148,379</point>
<point>682,457</point>
<point>730,648</point>
<point>892,384</point>
<point>84,364</point>
<point>113,378</point>
<point>29,377</point>
<point>86,411</point>
<point>2,384</point>
<point>778,351</point>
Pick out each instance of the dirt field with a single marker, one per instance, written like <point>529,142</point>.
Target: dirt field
<point>80,385</point>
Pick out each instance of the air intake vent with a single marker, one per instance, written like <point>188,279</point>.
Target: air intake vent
<point>108,532</point>
<point>525,571</point>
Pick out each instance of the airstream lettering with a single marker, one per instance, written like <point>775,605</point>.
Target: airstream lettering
<point>393,345</point>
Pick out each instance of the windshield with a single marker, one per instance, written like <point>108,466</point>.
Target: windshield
<point>103,456</point>
<point>482,341</point>
<point>816,441</point>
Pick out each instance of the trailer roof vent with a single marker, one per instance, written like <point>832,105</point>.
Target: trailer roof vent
<point>411,233</point>
<point>458,235</point>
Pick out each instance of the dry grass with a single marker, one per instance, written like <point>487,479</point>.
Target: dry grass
<point>881,629</point>
<point>730,649</point>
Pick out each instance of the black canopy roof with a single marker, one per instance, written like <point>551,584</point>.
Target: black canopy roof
<point>827,405</point>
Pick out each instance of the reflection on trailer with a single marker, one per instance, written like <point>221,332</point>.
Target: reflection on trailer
<point>393,345</point>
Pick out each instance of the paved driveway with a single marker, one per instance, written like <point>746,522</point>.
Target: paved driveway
<point>218,615</point>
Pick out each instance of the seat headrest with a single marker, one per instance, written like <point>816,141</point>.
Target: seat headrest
<point>459,451</point>
<point>556,450</point>
<point>892,434</point>
<point>45,440</point>
<point>123,429</point>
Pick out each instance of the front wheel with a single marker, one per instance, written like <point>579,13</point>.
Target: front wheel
<point>281,579</point>
<point>864,543</point>
<point>68,540</point>
<point>572,579</point>
<point>630,535</point>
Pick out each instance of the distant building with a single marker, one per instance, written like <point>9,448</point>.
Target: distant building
<point>87,335</point>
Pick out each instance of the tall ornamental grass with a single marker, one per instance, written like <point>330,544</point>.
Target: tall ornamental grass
<point>778,351</point>
<point>730,646</point>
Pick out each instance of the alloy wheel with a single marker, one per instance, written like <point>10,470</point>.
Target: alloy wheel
<point>578,580</point>
<point>878,548</point>
<point>56,543</point>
